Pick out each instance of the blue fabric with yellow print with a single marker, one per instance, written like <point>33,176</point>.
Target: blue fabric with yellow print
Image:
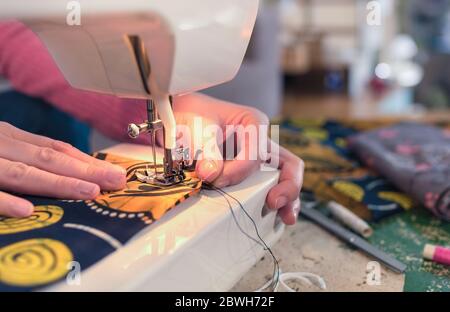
<point>380,196</point>
<point>36,251</point>
<point>61,235</point>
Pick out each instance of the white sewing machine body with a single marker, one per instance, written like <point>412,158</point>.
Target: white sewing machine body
<point>192,45</point>
<point>197,246</point>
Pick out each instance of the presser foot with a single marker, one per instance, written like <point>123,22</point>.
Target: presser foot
<point>160,179</point>
<point>174,169</point>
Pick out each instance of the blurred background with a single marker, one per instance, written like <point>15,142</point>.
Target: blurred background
<point>343,59</point>
<point>347,59</point>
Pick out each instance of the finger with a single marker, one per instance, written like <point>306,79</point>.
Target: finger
<point>243,165</point>
<point>211,164</point>
<point>236,171</point>
<point>59,163</point>
<point>289,213</point>
<point>202,137</point>
<point>290,182</point>
<point>20,178</point>
<point>282,194</point>
<point>21,135</point>
<point>12,206</point>
<point>209,169</point>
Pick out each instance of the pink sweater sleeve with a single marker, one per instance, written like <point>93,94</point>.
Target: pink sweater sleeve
<point>30,69</point>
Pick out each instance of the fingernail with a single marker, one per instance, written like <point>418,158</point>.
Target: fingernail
<point>281,202</point>
<point>119,169</point>
<point>88,189</point>
<point>117,176</point>
<point>22,209</point>
<point>208,169</point>
<point>61,146</point>
<point>297,210</point>
<point>221,183</point>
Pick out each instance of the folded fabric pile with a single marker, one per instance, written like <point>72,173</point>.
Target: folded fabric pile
<point>333,172</point>
<point>415,158</point>
<point>345,163</point>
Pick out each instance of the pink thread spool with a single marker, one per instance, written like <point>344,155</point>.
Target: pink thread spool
<point>437,254</point>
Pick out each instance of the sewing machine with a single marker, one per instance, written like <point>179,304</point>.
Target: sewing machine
<point>156,50</point>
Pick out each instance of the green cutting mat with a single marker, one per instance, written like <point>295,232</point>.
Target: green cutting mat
<point>404,236</point>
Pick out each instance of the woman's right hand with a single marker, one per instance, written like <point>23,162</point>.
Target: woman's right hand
<point>36,165</point>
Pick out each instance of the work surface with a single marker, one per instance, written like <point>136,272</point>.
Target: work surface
<point>306,247</point>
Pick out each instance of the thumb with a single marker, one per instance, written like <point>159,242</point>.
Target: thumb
<point>202,136</point>
<point>209,170</point>
<point>210,163</point>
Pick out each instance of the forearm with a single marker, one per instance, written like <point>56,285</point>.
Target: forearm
<point>30,69</point>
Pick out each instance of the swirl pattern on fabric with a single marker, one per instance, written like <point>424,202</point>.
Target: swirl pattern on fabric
<point>42,216</point>
<point>34,262</point>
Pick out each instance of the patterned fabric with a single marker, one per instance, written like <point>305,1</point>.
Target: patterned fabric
<point>415,157</point>
<point>333,172</point>
<point>37,251</point>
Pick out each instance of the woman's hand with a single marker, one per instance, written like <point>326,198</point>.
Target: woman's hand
<point>36,165</point>
<point>193,109</point>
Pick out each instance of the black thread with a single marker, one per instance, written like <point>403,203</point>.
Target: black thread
<point>260,241</point>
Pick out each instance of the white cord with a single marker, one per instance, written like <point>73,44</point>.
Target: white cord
<point>281,286</point>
